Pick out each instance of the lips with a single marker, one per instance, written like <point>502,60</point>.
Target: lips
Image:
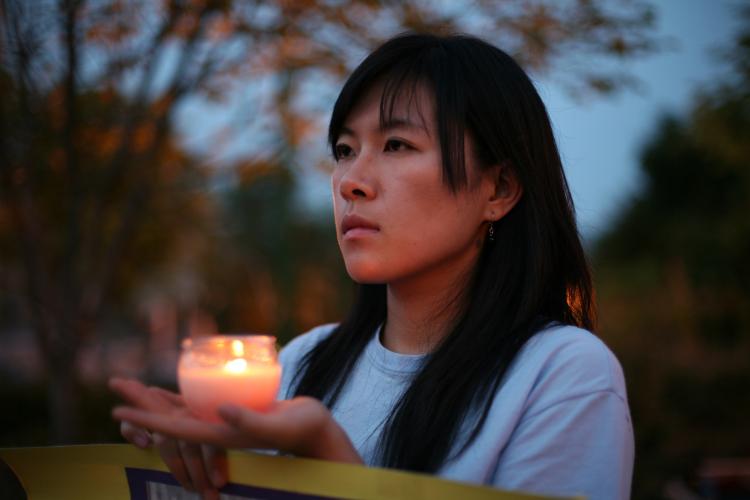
<point>350,222</point>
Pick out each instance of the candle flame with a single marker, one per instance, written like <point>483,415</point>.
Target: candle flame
<point>238,365</point>
<point>238,348</point>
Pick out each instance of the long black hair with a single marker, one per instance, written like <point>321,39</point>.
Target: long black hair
<point>533,274</point>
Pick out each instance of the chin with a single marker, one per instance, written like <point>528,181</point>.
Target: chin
<point>366,273</point>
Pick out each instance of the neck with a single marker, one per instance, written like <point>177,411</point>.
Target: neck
<point>422,310</point>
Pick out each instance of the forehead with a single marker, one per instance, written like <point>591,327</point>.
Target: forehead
<point>384,106</point>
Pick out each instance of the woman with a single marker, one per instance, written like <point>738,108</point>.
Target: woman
<point>466,353</point>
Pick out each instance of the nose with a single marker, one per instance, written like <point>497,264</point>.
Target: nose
<point>355,182</point>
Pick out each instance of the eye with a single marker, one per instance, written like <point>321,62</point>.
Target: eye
<point>395,145</point>
<point>343,151</point>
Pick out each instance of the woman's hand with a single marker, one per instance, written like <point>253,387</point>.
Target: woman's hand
<point>302,426</point>
<point>201,468</point>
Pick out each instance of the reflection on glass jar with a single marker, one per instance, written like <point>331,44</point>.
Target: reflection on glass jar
<point>242,370</point>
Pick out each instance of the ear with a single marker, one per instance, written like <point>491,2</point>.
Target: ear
<point>504,191</point>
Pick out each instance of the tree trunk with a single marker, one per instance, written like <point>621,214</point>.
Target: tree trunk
<point>63,399</point>
<point>61,351</point>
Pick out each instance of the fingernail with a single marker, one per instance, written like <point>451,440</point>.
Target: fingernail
<point>116,411</point>
<point>142,441</point>
<point>217,478</point>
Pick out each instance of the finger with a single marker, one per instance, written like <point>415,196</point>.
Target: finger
<point>172,397</point>
<point>211,495</point>
<point>216,463</point>
<point>192,457</point>
<point>172,458</point>
<point>184,427</point>
<point>141,396</point>
<point>136,435</point>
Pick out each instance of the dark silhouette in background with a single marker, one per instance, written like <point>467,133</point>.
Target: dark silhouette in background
<point>673,276</point>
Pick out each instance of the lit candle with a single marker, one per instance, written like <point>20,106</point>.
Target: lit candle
<point>237,369</point>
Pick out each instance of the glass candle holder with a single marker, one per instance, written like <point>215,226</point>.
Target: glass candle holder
<point>242,370</point>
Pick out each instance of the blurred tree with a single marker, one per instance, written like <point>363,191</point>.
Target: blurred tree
<point>281,268</point>
<point>97,194</point>
<point>80,259</point>
<point>674,286</point>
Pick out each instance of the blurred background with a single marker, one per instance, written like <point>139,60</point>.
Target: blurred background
<point>164,174</point>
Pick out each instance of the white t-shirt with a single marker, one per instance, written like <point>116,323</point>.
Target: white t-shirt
<point>559,423</point>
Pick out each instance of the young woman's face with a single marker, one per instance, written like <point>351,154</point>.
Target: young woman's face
<point>395,217</point>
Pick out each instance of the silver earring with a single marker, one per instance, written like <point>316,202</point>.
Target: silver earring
<point>491,232</point>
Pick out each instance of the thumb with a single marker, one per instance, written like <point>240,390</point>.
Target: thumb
<point>242,418</point>
<point>253,426</point>
<point>230,414</point>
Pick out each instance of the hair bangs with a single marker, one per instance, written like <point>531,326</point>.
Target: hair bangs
<point>402,75</point>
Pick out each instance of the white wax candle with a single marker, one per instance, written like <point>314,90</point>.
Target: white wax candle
<point>236,380</point>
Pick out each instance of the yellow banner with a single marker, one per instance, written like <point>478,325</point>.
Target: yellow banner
<point>125,472</point>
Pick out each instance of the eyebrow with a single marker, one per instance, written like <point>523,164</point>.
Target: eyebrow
<point>393,123</point>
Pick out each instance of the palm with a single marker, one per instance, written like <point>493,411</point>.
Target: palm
<point>297,425</point>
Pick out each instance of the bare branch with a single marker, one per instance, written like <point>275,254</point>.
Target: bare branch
<point>70,288</point>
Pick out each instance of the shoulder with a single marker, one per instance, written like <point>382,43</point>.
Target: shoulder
<point>564,362</point>
<point>293,352</point>
<point>300,345</point>
<point>562,418</point>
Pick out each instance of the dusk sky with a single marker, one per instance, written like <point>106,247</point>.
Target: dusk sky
<point>600,138</point>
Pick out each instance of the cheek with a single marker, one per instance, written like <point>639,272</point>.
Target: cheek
<point>335,197</point>
<point>439,226</point>
<point>335,179</point>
